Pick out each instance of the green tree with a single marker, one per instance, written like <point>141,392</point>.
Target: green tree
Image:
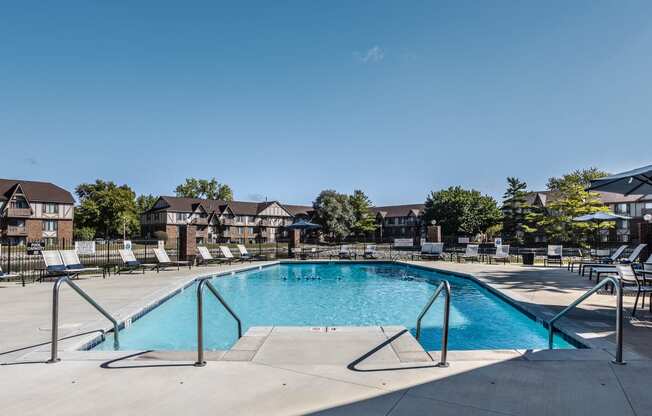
<point>204,188</point>
<point>582,177</point>
<point>145,203</point>
<point>364,219</point>
<point>84,233</point>
<point>333,211</point>
<point>570,200</point>
<point>106,208</point>
<point>461,211</point>
<point>514,210</point>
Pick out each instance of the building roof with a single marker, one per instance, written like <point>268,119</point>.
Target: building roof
<point>399,210</point>
<point>614,198</point>
<point>179,204</point>
<point>35,191</point>
<point>295,210</point>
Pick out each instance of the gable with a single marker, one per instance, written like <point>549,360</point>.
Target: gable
<point>274,209</point>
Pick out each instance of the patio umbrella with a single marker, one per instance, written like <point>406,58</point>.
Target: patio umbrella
<point>633,182</point>
<point>598,217</point>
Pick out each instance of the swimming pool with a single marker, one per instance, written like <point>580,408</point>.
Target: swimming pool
<point>337,294</point>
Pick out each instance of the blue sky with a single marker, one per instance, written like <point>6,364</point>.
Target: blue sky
<point>284,99</point>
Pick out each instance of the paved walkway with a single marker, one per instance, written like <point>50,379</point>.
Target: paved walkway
<point>306,372</point>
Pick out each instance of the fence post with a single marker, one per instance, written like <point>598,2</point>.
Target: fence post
<point>9,257</point>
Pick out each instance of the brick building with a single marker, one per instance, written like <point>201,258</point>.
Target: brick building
<point>399,221</point>
<point>221,221</point>
<point>35,211</point>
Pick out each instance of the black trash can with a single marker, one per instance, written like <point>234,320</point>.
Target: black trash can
<point>528,259</point>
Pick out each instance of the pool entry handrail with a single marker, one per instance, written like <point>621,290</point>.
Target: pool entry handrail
<point>55,315</point>
<point>445,286</point>
<point>619,315</point>
<point>200,317</point>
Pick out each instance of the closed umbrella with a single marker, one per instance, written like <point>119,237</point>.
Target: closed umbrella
<point>633,182</point>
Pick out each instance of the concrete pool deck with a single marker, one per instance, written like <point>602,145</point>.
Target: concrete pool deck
<point>300,371</point>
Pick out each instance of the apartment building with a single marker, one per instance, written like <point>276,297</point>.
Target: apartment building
<point>399,221</point>
<point>35,211</point>
<point>221,221</point>
<point>625,231</point>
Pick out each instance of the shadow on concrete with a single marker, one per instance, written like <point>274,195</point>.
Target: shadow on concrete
<point>108,364</point>
<point>50,342</point>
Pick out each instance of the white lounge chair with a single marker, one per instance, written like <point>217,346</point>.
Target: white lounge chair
<point>226,253</point>
<point>130,263</point>
<point>502,253</point>
<point>244,254</point>
<point>370,252</point>
<point>163,261</point>
<point>345,253</point>
<point>608,259</point>
<point>601,269</point>
<point>555,254</point>
<point>72,262</point>
<point>205,257</point>
<point>471,253</point>
<point>433,251</point>
<point>4,275</point>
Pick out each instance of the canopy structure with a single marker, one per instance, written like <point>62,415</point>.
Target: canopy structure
<point>633,182</point>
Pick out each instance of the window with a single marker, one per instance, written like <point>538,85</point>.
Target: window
<point>50,241</point>
<point>623,224</point>
<point>181,216</point>
<point>49,225</point>
<point>622,208</point>
<point>648,205</point>
<point>51,208</point>
<point>250,230</point>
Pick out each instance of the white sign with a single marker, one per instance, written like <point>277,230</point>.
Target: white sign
<point>403,242</point>
<point>85,247</point>
<point>161,244</point>
<point>127,244</point>
<point>463,240</point>
<point>498,242</point>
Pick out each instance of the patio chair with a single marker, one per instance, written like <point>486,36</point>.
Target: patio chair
<point>163,261</point>
<point>4,275</point>
<point>130,263</point>
<point>502,253</point>
<point>582,265</point>
<point>631,283</point>
<point>205,257</point>
<point>555,254</point>
<point>244,254</point>
<point>345,253</point>
<point>604,257</point>
<point>471,253</point>
<point>432,251</point>
<point>72,262</point>
<point>228,256</point>
<point>370,252</point>
<point>602,269</point>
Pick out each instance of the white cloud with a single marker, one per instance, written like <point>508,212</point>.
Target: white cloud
<point>372,55</point>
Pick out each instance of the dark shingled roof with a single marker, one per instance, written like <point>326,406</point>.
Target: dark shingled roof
<point>299,209</point>
<point>398,210</point>
<point>35,191</point>
<point>214,205</point>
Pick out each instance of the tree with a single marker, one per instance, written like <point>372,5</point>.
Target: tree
<point>582,177</point>
<point>364,221</point>
<point>204,188</point>
<point>461,211</point>
<point>514,210</point>
<point>333,211</point>
<point>145,203</point>
<point>570,200</point>
<point>106,208</point>
<point>84,233</point>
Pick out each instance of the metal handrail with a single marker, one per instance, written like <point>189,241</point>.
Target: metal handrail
<point>619,315</point>
<point>55,315</point>
<point>444,285</point>
<point>200,318</point>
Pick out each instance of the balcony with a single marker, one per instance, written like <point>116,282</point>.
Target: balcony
<point>200,221</point>
<point>19,212</point>
<point>15,231</point>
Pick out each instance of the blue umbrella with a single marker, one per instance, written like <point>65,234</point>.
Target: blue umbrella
<point>598,217</point>
<point>303,225</point>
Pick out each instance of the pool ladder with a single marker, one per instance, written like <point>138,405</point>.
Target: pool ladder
<point>55,315</point>
<point>619,315</point>
<point>204,282</point>
<point>446,287</point>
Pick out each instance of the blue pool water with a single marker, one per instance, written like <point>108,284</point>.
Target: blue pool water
<point>336,294</point>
